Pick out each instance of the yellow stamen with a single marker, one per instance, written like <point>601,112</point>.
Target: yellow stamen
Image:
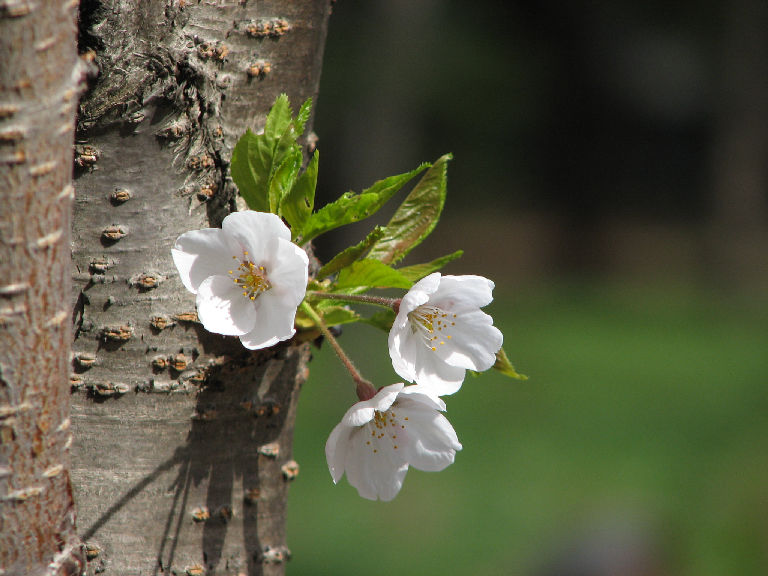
<point>379,432</point>
<point>430,322</point>
<point>251,278</point>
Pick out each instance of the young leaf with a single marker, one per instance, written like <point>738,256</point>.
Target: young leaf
<point>345,258</point>
<point>351,207</point>
<point>249,176</point>
<point>258,159</point>
<point>504,366</point>
<point>302,118</point>
<point>370,274</point>
<point>302,321</point>
<point>382,320</point>
<point>283,178</point>
<point>280,135</point>
<point>297,204</point>
<point>334,315</point>
<point>416,217</point>
<point>279,118</point>
<point>418,271</point>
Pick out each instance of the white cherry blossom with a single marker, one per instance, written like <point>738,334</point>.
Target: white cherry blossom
<point>378,439</point>
<point>248,276</point>
<point>440,332</point>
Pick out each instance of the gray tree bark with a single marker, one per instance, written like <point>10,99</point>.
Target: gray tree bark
<point>182,450</point>
<point>39,78</point>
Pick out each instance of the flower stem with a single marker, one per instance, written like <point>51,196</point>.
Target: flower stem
<point>393,303</point>
<point>364,389</point>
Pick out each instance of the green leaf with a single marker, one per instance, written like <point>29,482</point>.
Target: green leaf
<point>279,118</point>
<point>249,176</point>
<point>315,286</point>
<point>335,315</point>
<point>382,320</point>
<point>302,118</point>
<point>351,207</point>
<point>332,313</point>
<point>370,274</point>
<point>284,178</point>
<point>296,206</point>
<point>418,271</point>
<point>345,258</point>
<point>504,366</point>
<point>302,321</point>
<point>264,166</point>
<point>416,217</point>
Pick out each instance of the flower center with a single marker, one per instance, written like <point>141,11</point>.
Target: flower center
<point>386,430</point>
<point>433,324</point>
<point>251,278</point>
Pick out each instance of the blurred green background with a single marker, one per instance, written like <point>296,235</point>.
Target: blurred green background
<point>610,175</point>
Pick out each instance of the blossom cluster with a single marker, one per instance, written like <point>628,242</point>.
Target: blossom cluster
<point>249,278</point>
<point>439,333</point>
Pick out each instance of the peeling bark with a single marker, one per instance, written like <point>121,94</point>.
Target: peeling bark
<point>39,78</point>
<point>183,438</point>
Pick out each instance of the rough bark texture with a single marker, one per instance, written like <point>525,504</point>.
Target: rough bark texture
<point>183,438</point>
<point>39,77</point>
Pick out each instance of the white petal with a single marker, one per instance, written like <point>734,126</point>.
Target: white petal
<point>389,479</point>
<point>359,414</point>
<point>359,468</point>
<point>432,442</point>
<point>443,380</point>
<point>401,321</point>
<point>434,429</point>
<point>474,342</point>
<point>363,412</point>
<point>199,254</point>
<point>223,309</point>
<point>373,474</point>
<point>336,449</point>
<point>401,338</point>
<point>423,395</point>
<point>254,230</point>
<point>402,351</point>
<point>386,396</point>
<point>414,361</point>
<point>462,293</point>
<point>274,323</point>
<point>432,371</point>
<point>287,270</point>
<point>427,285</point>
<point>418,294</point>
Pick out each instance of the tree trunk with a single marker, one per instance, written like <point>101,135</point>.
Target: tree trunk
<point>183,438</point>
<point>39,77</point>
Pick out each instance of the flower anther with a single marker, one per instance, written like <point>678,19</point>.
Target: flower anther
<point>252,278</point>
<point>431,321</point>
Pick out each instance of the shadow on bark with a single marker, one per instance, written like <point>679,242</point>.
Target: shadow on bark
<point>240,434</point>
